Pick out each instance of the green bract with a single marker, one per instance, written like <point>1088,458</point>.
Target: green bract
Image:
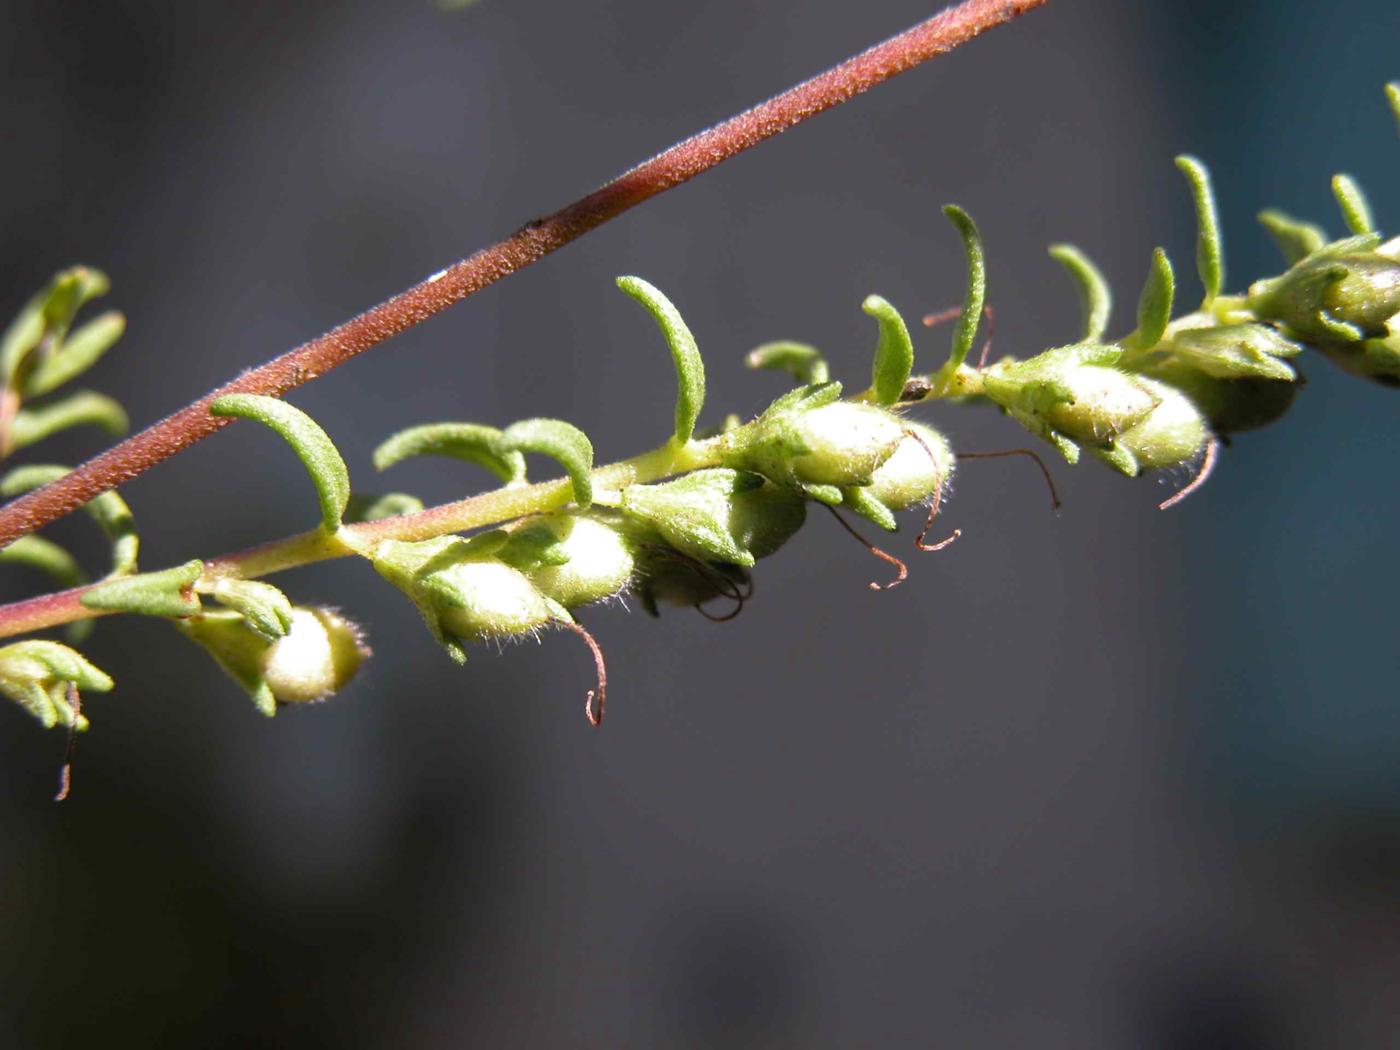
<point>39,674</point>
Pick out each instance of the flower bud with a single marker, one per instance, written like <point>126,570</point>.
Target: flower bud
<point>718,514</point>
<point>1374,359</point>
<point>920,466</point>
<point>463,594</point>
<point>1335,295</point>
<point>1229,405</point>
<point>319,653</point>
<point>575,559</point>
<point>1173,433</point>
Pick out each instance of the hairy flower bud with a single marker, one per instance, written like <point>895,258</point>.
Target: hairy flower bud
<point>1374,359</point>
<point>718,514</point>
<point>1342,293</point>
<point>1173,433</point>
<point>463,593</point>
<point>575,559</point>
<point>919,467</point>
<point>1229,405</point>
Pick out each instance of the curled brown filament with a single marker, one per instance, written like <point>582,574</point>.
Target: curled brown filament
<point>953,313</point>
<point>65,771</point>
<point>597,700</point>
<point>899,566</point>
<point>725,587</point>
<point>1044,470</point>
<point>1202,475</point>
<point>928,524</point>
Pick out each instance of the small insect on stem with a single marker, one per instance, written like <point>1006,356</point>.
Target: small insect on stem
<point>899,566</point>
<point>1202,475</point>
<point>1044,470</point>
<point>65,772</point>
<point>596,702</point>
<point>953,313</point>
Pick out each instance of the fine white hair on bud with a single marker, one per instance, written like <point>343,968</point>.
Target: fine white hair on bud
<point>919,467</point>
<point>317,656</point>
<point>845,443</point>
<point>598,565</point>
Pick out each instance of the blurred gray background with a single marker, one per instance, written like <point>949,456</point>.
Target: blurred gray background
<point>1105,778</point>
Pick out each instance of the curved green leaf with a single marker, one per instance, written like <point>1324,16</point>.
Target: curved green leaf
<point>36,674</point>
<point>804,363</point>
<point>365,506</point>
<point>467,441</point>
<point>265,609</point>
<point>690,367</point>
<point>168,592</point>
<point>1356,210</point>
<point>108,509</point>
<point>1210,257</point>
<point>47,317</point>
<point>47,557</point>
<point>85,408</point>
<point>561,441</point>
<point>311,444</point>
<point>1392,96</point>
<point>1155,303</point>
<point>894,352</point>
<point>1295,239</point>
<point>976,296</point>
<point>79,352</point>
<point>1094,295</point>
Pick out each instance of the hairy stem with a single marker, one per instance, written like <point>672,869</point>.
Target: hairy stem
<point>488,508</point>
<point>680,163</point>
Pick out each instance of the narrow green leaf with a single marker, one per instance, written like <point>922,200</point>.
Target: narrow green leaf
<point>976,296</point>
<point>168,592</point>
<point>560,441</point>
<point>1392,95</point>
<point>1356,211</point>
<point>467,441</point>
<point>79,352</point>
<point>265,609</point>
<point>1094,295</point>
<point>366,506</point>
<point>894,352</point>
<point>1295,238</point>
<point>47,557</point>
<point>36,673</point>
<point>1210,259</point>
<point>311,444</point>
<point>690,367</point>
<point>1155,303</point>
<point>804,363</point>
<point>85,408</point>
<point>108,509</point>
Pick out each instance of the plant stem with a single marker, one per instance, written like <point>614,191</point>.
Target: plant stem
<point>488,508</point>
<point>679,164</point>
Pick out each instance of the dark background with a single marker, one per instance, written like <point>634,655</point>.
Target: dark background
<point>1103,779</point>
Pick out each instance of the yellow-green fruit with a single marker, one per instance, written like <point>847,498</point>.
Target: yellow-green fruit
<point>599,561</point>
<point>920,465</point>
<point>845,443</point>
<point>319,654</point>
<point>486,599</point>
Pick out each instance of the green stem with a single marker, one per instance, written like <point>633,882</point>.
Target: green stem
<point>488,508</point>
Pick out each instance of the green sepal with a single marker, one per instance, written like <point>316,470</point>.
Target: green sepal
<point>804,398</point>
<point>108,509</point>
<point>85,408</point>
<point>1210,257</point>
<point>36,673</point>
<point>1094,294</point>
<point>237,648</point>
<point>1296,239</point>
<point>471,442</point>
<point>47,557</point>
<point>867,506</point>
<point>804,363</point>
<point>894,351</point>
<point>1235,351</point>
<point>831,495</point>
<point>562,442</point>
<point>169,592</point>
<point>1356,210</point>
<point>266,609</point>
<point>693,513</point>
<point>311,444</point>
<point>1155,303</point>
<point>367,506</point>
<point>532,546</point>
<point>975,298</point>
<point>690,367</point>
<point>79,352</point>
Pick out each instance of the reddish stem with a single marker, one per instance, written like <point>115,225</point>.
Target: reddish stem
<point>680,163</point>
